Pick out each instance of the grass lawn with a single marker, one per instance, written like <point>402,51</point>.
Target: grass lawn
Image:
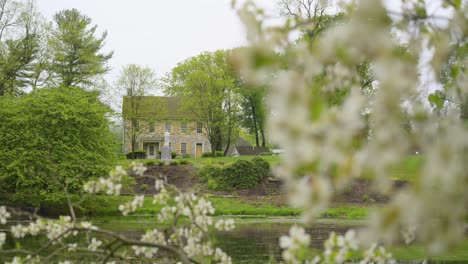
<point>199,162</point>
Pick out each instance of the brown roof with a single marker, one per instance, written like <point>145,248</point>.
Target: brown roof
<point>157,107</point>
<point>251,151</point>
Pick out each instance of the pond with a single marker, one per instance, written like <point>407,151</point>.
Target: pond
<point>257,240</point>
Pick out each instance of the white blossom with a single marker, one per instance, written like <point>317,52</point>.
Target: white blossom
<point>93,246</point>
<point>4,215</point>
<point>2,239</point>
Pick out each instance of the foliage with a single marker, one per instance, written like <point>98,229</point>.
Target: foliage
<point>207,85</point>
<point>261,166</point>
<point>22,36</point>
<point>354,133</point>
<point>52,139</point>
<point>210,154</point>
<point>208,172</point>
<point>135,81</point>
<point>266,154</point>
<point>77,53</point>
<point>242,174</point>
<point>174,163</point>
<point>137,154</point>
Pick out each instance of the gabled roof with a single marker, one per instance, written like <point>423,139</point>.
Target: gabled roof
<point>156,107</point>
<point>251,151</point>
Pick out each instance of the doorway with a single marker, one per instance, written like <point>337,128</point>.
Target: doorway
<point>199,150</point>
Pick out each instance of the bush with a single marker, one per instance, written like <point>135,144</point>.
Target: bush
<point>161,163</point>
<point>210,155</point>
<point>138,154</point>
<point>174,163</point>
<point>242,174</point>
<point>262,167</point>
<point>150,162</point>
<point>183,162</point>
<point>52,138</point>
<point>266,154</point>
<point>185,156</point>
<point>208,172</point>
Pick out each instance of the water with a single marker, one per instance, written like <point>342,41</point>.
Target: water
<point>253,241</point>
<point>259,242</point>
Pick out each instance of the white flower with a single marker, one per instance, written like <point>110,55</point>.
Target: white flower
<point>4,215</point>
<point>2,239</point>
<point>19,231</point>
<point>88,225</point>
<point>72,247</point>
<point>94,244</point>
<point>158,185</point>
<point>138,168</point>
<point>226,225</point>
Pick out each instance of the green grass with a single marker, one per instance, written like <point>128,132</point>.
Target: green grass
<point>408,170</point>
<point>108,206</point>
<point>412,252</point>
<point>199,162</point>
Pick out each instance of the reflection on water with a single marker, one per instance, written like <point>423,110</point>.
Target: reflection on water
<point>258,242</point>
<point>251,242</point>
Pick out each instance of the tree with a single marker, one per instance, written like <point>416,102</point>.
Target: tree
<point>136,82</point>
<point>77,53</point>
<point>53,139</point>
<point>253,111</point>
<point>209,90</point>
<point>21,38</point>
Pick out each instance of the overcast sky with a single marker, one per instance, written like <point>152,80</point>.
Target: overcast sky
<point>159,33</point>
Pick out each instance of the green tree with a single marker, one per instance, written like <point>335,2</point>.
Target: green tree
<point>21,31</point>
<point>52,139</point>
<point>136,82</point>
<point>253,111</point>
<point>77,53</point>
<point>209,90</point>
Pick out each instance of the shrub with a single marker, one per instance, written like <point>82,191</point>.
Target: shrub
<point>138,154</point>
<point>161,163</point>
<point>52,138</point>
<point>150,162</point>
<point>183,162</point>
<point>242,174</point>
<point>365,197</point>
<point>210,155</point>
<point>262,167</point>
<point>185,156</point>
<point>208,172</point>
<point>173,154</point>
<point>265,154</point>
<point>144,187</point>
<point>174,163</point>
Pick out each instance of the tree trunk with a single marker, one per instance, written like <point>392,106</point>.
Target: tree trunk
<point>263,137</point>
<point>254,116</point>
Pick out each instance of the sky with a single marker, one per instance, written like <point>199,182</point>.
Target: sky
<point>159,33</point>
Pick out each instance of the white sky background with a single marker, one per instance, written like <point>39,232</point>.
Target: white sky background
<point>159,33</point>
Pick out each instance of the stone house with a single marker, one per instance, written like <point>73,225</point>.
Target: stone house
<point>157,114</point>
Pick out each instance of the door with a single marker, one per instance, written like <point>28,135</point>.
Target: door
<point>199,150</point>
<point>152,151</point>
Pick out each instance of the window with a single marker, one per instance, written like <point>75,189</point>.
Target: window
<point>151,150</point>
<point>183,148</point>
<point>199,127</point>
<point>168,126</point>
<point>183,127</point>
<point>151,127</point>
